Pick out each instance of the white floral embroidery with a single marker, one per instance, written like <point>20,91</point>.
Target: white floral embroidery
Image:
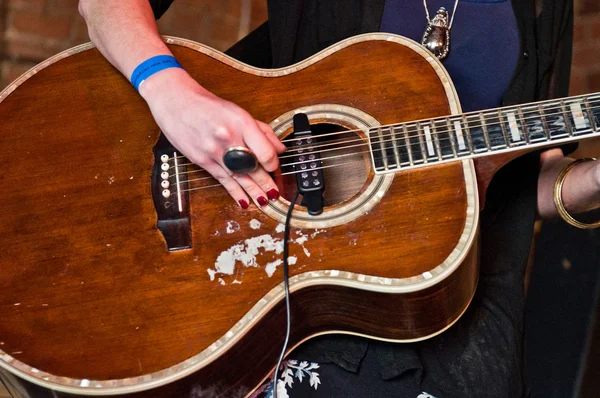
<point>291,370</point>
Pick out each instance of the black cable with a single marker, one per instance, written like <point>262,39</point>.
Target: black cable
<point>286,286</point>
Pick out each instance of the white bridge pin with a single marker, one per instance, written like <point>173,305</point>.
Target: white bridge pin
<point>164,166</point>
<point>165,184</point>
<point>164,175</point>
<point>164,158</point>
<point>166,193</point>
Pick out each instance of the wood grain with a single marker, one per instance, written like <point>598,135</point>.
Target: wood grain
<point>89,290</point>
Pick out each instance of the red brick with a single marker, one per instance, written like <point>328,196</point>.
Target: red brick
<point>589,6</point>
<point>12,70</point>
<point>69,6</point>
<point>79,32</point>
<point>594,31</point>
<point>33,50</point>
<point>585,57</point>
<point>578,84</point>
<point>56,27</point>
<point>594,82</point>
<point>579,32</point>
<point>31,5</point>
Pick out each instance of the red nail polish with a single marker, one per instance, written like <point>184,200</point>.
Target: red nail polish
<point>243,204</point>
<point>262,201</point>
<point>273,194</point>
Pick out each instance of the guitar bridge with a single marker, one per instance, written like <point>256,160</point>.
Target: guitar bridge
<point>171,196</point>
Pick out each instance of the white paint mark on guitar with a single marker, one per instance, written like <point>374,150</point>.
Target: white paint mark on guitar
<point>255,224</point>
<point>232,227</point>
<point>245,252</point>
<point>272,266</point>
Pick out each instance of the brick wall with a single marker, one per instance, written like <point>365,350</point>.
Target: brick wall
<point>585,74</point>
<point>32,30</point>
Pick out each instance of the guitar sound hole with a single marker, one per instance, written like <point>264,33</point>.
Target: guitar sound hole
<point>345,159</point>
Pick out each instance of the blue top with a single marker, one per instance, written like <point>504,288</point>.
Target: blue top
<point>484,44</point>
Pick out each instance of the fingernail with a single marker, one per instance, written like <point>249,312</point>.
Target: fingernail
<point>273,194</point>
<point>243,204</point>
<point>262,201</point>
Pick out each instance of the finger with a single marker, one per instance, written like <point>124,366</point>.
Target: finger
<point>268,131</point>
<point>265,182</point>
<point>252,188</point>
<point>228,182</point>
<point>262,147</point>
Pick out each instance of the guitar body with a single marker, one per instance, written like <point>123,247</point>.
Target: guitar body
<point>94,303</point>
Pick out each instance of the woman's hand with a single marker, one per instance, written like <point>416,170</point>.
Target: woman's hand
<point>581,189</point>
<point>202,126</point>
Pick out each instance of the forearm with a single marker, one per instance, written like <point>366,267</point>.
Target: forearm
<point>124,31</point>
<point>581,189</point>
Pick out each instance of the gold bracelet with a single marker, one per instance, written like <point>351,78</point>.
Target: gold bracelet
<point>558,201</point>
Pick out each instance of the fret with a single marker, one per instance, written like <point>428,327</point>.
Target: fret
<point>448,126</point>
<point>377,154</point>
<point>494,133</point>
<point>466,132</point>
<point>578,119</point>
<point>566,119</point>
<point>515,128</point>
<point>421,144</point>
<point>444,138</point>
<point>503,129</point>
<point>415,144</point>
<point>394,139</point>
<point>462,142</point>
<point>534,127</point>
<point>523,125</point>
<point>478,137</point>
<point>544,121</point>
<point>486,136</point>
<point>388,146</point>
<point>557,124</point>
<point>430,150</point>
<point>436,141</point>
<point>594,108</point>
<point>400,146</point>
<point>407,145</point>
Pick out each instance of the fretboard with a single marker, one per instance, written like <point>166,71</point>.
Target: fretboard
<point>433,141</point>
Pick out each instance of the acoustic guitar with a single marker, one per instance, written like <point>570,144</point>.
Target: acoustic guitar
<point>126,270</point>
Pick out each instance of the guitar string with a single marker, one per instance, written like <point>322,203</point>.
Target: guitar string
<point>473,114</point>
<point>406,146</point>
<point>430,161</point>
<point>282,174</point>
<point>477,114</point>
<point>403,135</point>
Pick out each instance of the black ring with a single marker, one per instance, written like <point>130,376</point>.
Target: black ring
<point>240,160</point>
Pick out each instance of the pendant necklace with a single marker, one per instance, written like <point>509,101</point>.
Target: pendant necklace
<point>437,35</point>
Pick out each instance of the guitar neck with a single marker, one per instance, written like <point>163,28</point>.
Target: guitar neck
<point>476,134</point>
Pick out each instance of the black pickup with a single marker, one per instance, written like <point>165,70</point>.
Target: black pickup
<point>308,166</point>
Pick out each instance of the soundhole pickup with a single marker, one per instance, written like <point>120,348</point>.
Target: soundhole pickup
<point>171,196</point>
<point>308,166</point>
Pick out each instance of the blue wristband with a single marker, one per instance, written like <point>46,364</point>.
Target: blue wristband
<point>152,66</point>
